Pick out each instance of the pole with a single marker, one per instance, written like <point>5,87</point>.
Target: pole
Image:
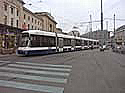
<point>114,31</point>
<point>102,41</point>
<point>90,27</point>
<point>114,25</point>
<point>101,17</point>
<point>107,25</point>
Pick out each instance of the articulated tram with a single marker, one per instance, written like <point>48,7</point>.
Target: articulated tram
<point>35,42</point>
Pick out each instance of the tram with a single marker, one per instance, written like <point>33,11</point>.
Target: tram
<point>34,42</point>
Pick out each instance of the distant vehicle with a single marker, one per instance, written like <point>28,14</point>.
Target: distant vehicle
<point>102,48</point>
<point>34,42</point>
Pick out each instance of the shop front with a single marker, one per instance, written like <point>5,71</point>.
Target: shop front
<point>9,39</point>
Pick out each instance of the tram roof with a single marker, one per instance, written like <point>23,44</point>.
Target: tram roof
<point>38,32</point>
<point>65,36</point>
<point>87,39</point>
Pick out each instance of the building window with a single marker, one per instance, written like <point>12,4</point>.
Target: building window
<point>12,10</point>
<point>17,13</point>
<point>35,28</point>
<point>11,21</point>
<point>24,16</point>
<point>50,27</point>
<point>32,20</point>
<point>35,21</point>
<point>5,6</point>
<point>17,23</point>
<point>29,18</point>
<point>28,26</point>
<point>32,27</point>
<point>38,22</point>
<point>5,20</point>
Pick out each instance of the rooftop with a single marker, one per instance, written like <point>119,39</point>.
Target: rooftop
<point>121,28</point>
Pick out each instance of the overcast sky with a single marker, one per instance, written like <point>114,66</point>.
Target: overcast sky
<point>69,13</point>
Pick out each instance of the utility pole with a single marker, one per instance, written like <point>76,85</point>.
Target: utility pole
<point>101,17</point>
<point>107,25</point>
<point>90,27</point>
<point>102,41</point>
<point>114,31</point>
<point>114,25</point>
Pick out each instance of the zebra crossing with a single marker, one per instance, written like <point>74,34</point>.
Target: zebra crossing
<point>49,78</point>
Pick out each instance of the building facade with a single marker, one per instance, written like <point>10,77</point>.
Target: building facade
<point>58,30</point>
<point>120,35</point>
<point>10,22</point>
<point>74,32</point>
<point>15,18</point>
<point>11,12</point>
<point>49,24</point>
<point>102,36</point>
<point>31,21</point>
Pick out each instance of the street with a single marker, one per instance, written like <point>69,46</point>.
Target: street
<point>89,71</point>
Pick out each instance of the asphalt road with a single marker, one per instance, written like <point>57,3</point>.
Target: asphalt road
<point>89,71</point>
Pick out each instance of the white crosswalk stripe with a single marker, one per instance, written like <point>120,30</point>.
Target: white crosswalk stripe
<point>49,65</point>
<point>40,68</point>
<point>35,72</point>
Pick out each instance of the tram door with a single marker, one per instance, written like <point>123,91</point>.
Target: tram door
<point>60,44</point>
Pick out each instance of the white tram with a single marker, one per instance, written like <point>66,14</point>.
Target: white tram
<point>35,42</point>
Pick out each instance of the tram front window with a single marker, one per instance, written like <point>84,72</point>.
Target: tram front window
<point>24,40</point>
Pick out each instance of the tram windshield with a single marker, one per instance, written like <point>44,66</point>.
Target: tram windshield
<point>24,40</point>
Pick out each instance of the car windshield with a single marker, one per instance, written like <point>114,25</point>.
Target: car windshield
<point>24,40</point>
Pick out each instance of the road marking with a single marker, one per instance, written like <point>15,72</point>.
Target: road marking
<point>33,87</point>
<point>12,75</point>
<point>50,65</point>
<point>36,72</point>
<point>60,71</point>
<point>40,68</point>
<point>4,61</point>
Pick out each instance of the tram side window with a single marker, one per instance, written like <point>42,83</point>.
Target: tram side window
<point>42,41</point>
<point>90,42</point>
<point>67,42</point>
<point>73,42</point>
<point>85,43</point>
<point>78,42</point>
<point>35,41</point>
<point>51,41</point>
<point>94,43</point>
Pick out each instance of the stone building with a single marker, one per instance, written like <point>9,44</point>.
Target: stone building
<point>120,35</point>
<point>58,30</point>
<point>49,24</point>
<point>102,36</point>
<point>15,18</point>
<point>31,21</point>
<point>11,12</point>
<point>74,32</point>
<point>10,22</point>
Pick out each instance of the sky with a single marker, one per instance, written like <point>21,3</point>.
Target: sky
<point>69,13</point>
